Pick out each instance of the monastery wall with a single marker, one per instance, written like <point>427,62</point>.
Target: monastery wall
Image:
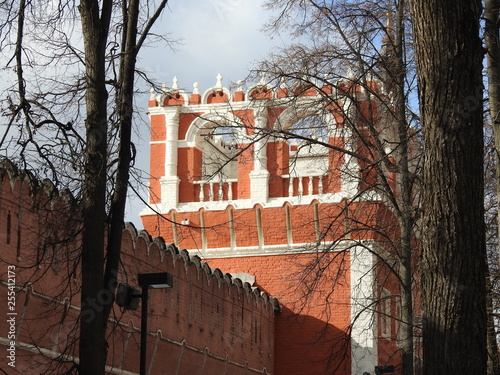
<point>208,323</point>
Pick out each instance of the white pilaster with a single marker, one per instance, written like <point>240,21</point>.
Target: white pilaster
<point>259,177</point>
<point>170,182</point>
<point>350,171</point>
<point>169,192</point>
<point>364,351</point>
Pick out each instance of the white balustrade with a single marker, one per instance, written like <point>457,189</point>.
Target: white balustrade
<point>226,185</point>
<point>301,182</point>
<point>297,186</point>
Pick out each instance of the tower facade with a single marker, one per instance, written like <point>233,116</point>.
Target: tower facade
<point>266,182</point>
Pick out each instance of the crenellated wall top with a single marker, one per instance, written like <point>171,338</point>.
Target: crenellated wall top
<point>20,191</point>
<point>157,247</point>
<point>218,93</point>
<point>28,180</point>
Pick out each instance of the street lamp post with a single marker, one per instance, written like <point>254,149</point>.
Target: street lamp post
<point>149,281</point>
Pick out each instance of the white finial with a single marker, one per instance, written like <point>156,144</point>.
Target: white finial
<point>174,84</point>
<point>153,94</point>
<point>282,84</point>
<point>218,84</point>
<point>164,87</point>
<point>239,85</point>
<point>262,78</point>
<point>195,88</point>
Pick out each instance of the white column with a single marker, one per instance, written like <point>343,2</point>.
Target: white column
<point>259,177</point>
<point>364,351</point>
<point>350,172</point>
<point>260,155</point>
<point>170,182</point>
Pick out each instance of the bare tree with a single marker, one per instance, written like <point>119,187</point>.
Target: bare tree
<point>54,90</point>
<point>449,56</point>
<point>347,45</point>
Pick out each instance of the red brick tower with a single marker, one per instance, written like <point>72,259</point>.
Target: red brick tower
<point>228,184</point>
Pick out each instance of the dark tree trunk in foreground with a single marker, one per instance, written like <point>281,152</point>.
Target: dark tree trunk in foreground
<point>113,33</point>
<point>449,56</point>
<point>95,25</point>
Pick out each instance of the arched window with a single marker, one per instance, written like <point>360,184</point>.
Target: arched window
<point>307,156</point>
<point>219,148</point>
<point>311,127</point>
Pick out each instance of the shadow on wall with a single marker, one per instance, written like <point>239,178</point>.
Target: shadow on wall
<point>323,347</point>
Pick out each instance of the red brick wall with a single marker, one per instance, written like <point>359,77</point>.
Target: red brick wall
<point>310,335</point>
<point>157,157</point>
<point>368,220</point>
<point>245,166</point>
<point>278,160</point>
<point>207,323</point>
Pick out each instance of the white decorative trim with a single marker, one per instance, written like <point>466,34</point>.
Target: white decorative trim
<point>216,88</point>
<point>266,250</point>
<point>243,204</point>
<point>303,102</point>
<point>169,188</point>
<point>260,86</point>
<point>250,203</point>
<point>219,118</point>
<point>303,109</point>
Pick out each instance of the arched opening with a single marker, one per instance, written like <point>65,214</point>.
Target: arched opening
<point>219,148</point>
<point>218,173</point>
<point>308,157</point>
<point>311,127</point>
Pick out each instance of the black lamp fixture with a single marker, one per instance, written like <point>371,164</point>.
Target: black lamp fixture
<point>159,280</point>
<point>128,298</point>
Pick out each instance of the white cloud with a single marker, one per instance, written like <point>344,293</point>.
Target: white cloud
<point>218,36</point>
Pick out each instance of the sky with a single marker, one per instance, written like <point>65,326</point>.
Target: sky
<point>214,36</point>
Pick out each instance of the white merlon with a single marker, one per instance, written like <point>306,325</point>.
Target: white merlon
<point>218,84</point>
<point>239,86</point>
<point>262,81</point>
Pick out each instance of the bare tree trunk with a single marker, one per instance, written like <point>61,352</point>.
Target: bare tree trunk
<point>449,55</point>
<point>405,219</point>
<point>124,107</point>
<point>92,348</point>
